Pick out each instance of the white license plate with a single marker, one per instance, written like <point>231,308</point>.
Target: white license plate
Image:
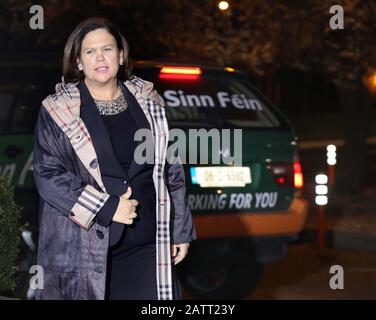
<point>221,176</point>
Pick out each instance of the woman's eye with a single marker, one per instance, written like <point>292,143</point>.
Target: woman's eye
<point>89,52</point>
<point>108,49</point>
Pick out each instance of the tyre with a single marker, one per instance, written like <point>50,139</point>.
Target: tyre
<point>220,270</point>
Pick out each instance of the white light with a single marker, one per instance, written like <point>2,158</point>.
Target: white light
<point>321,179</point>
<point>321,189</point>
<point>331,154</point>
<point>331,148</point>
<point>331,158</point>
<point>223,5</point>
<point>321,200</point>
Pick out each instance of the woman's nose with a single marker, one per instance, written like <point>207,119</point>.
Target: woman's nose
<point>99,56</point>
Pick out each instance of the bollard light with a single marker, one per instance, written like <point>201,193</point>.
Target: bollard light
<point>331,160</point>
<point>321,189</point>
<point>331,154</point>
<point>321,200</point>
<point>321,178</point>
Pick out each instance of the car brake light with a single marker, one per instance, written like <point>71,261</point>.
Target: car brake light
<point>183,73</point>
<point>298,175</point>
<point>282,173</point>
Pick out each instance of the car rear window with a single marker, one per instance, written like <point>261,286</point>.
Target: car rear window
<point>214,99</point>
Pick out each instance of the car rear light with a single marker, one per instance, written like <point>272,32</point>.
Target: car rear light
<point>288,174</point>
<point>298,175</point>
<point>180,73</point>
<point>283,173</point>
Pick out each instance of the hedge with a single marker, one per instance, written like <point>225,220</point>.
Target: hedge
<point>10,234</point>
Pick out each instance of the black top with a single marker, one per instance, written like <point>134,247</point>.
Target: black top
<point>121,129</point>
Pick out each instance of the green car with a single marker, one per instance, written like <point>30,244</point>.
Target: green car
<point>243,173</point>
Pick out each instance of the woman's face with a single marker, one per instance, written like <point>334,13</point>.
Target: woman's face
<point>100,57</point>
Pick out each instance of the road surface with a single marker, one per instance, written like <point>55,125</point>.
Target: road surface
<point>302,275</point>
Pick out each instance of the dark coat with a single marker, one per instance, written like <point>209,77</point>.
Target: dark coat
<point>67,164</point>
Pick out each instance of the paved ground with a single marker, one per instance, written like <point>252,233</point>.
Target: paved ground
<point>345,229</point>
<point>302,275</point>
<point>351,243</point>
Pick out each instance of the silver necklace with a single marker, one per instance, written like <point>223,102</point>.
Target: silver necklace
<point>111,107</point>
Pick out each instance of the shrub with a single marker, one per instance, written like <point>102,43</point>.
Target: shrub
<point>10,226</point>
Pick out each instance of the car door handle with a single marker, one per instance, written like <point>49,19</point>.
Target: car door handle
<point>12,151</point>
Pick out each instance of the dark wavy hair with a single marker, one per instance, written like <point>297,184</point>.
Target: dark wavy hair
<point>72,48</point>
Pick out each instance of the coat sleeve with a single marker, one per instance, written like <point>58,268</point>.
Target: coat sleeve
<point>183,229</point>
<point>57,185</point>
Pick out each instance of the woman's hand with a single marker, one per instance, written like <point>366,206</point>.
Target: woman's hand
<point>179,251</point>
<point>126,210</point>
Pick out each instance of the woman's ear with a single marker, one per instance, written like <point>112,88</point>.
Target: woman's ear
<point>79,66</point>
<point>121,57</point>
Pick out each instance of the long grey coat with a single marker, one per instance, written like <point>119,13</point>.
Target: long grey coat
<point>68,178</point>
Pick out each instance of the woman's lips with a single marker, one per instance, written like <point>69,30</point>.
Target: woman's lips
<point>101,69</point>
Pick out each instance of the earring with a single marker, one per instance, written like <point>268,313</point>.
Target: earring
<point>80,67</point>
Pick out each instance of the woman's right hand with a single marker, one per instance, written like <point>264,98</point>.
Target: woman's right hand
<point>126,210</point>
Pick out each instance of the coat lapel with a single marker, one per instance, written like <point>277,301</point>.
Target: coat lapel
<point>141,123</point>
<point>64,109</point>
<point>152,105</point>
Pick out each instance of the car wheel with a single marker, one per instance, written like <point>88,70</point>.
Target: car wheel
<point>220,270</point>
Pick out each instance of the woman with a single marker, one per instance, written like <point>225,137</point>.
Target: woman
<point>106,230</point>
